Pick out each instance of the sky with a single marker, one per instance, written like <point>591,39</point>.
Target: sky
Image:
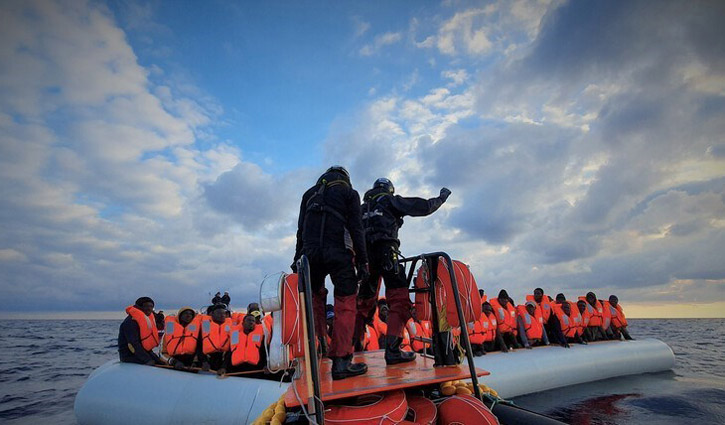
<point>162,148</point>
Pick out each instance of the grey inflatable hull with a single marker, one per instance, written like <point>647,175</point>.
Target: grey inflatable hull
<point>118,393</point>
<point>524,371</point>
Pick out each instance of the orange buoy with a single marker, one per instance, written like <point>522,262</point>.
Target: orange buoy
<point>370,409</point>
<point>424,411</point>
<point>465,410</point>
<point>467,288</point>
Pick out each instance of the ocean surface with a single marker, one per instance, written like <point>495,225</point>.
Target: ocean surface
<point>44,363</point>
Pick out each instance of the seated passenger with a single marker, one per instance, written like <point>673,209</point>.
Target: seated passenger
<point>138,335</point>
<point>380,323</point>
<point>619,321</point>
<point>530,325</point>
<point>247,349</point>
<point>543,310</point>
<point>595,310</point>
<point>416,330</point>
<point>506,319</point>
<point>481,332</point>
<point>181,340</point>
<point>215,338</point>
<point>370,339</point>
<point>570,329</point>
<point>584,312</point>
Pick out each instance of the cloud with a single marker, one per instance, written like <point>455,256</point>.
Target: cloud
<point>380,41</point>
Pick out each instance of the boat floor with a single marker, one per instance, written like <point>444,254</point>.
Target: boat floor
<point>379,377</point>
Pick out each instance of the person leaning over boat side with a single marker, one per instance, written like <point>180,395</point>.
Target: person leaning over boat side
<point>181,340</point>
<point>247,347</point>
<point>215,338</point>
<point>619,321</point>
<point>382,214</point>
<point>330,234</point>
<point>138,335</point>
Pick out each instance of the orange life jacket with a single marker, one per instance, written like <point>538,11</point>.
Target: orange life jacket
<point>238,318</point>
<point>370,339</point>
<point>149,334</point>
<point>381,328</point>
<point>484,299</point>
<point>543,308</point>
<point>245,347</point>
<point>618,319</point>
<point>427,328</point>
<point>405,344</point>
<point>568,327</point>
<point>505,317</point>
<point>606,316</point>
<point>595,313</point>
<point>532,324</point>
<point>181,340</point>
<point>490,327</point>
<point>214,336</point>
<point>415,330</point>
<point>479,330</point>
<point>577,318</point>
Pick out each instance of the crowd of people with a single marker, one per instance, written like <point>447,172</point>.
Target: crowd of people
<point>357,245</point>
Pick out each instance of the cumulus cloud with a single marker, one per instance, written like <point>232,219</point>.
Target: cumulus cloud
<point>380,42</point>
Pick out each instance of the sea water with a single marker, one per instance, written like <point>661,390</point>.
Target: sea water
<point>43,364</point>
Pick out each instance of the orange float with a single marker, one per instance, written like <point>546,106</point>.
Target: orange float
<point>467,288</point>
<point>422,410</point>
<point>465,410</point>
<point>370,409</point>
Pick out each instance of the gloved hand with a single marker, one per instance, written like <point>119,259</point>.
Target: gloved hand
<point>363,272</point>
<point>445,193</point>
<point>293,266</point>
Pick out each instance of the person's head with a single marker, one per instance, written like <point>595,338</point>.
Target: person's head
<point>257,315</point>
<point>218,312</point>
<point>384,184</point>
<point>560,298</point>
<point>383,313</point>
<point>481,292</point>
<point>218,294</point>
<point>145,304</point>
<point>487,308</point>
<point>566,308</point>
<point>185,315</point>
<point>531,307</point>
<point>336,172</point>
<point>503,298</point>
<point>591,298</point>
<point>538,294</point>
<point>248,323</point>
<point>252,307</point>
<point>613,300</point>
<point>581,305</point>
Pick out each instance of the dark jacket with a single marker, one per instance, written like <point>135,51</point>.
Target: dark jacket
<point>129,334</point>
<point>226,299</point>
<point>383,213</point>
<point>341,227</point>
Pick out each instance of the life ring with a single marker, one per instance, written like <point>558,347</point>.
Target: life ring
<point>467,289</point>
<point>370,409</point>
<point>291,321</point>
<point>424,411</point>
<point>465,410</point>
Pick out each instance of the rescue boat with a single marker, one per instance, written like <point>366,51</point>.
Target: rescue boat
<point>431,389</point>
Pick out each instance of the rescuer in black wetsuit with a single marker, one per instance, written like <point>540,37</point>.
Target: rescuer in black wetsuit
<point>330,234</point>
<point>383,214</point>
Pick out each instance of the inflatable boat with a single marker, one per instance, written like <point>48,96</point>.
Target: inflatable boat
<point>122,393</point>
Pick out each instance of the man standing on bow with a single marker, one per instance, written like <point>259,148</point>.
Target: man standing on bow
<point>382,214</point>
<point>330,234</point>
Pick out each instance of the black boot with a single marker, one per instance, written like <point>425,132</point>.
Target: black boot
<point>393,354</point>
<point>342,367</point>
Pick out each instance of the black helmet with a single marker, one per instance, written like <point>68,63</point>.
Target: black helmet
<point>339,169</point>
<point>385,184</point>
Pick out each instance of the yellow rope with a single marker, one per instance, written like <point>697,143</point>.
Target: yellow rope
<point>275,414</point>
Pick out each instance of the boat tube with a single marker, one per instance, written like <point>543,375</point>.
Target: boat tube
<point>123,393</point>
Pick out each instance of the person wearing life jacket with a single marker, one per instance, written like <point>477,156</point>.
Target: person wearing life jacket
<point>215,338</point>
<point>483,296</point>
<point>493,340</point>
<point>596,320</point>
<point>370,339</point>
<point>478,331</point>
<point>506,319</point>
<point>330,234</point>
<point>586,334</point>
<point>619,321</point>
<point>246,347</point>
<point>380,322</point>
<point>382,216</point>
<point>138,335</point>
<point>530,325</point>
<point>543,310</point>
<point>416,330</point>
<point>181,339</point>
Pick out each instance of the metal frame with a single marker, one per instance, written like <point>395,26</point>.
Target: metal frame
<point>431,260</point>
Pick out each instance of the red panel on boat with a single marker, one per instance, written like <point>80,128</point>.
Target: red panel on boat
<point>379,377</point>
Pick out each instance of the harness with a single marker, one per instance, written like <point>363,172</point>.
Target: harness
<point>316,204</point>
<point>379,222</point>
